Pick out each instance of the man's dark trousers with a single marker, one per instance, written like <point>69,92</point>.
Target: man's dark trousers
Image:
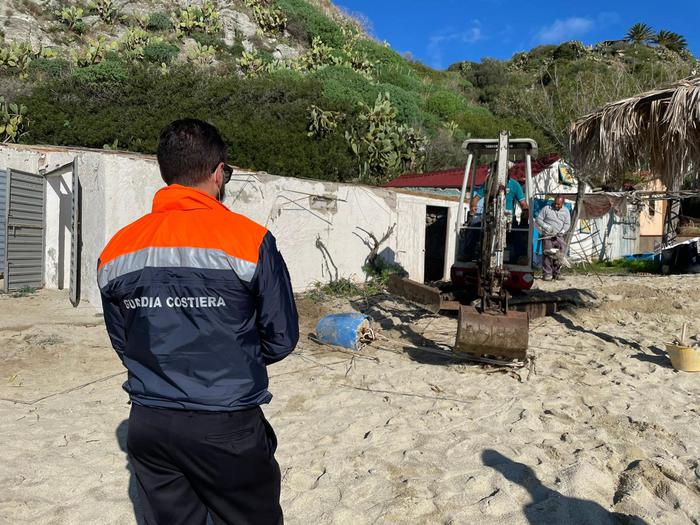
<point>551,265</point>
<point>189,464</point>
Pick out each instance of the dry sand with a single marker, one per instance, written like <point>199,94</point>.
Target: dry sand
<point>602,429</point>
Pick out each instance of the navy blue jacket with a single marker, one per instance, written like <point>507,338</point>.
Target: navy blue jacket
<point>197,302</point>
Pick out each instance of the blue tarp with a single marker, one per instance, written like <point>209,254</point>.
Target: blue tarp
<point>647,256</point>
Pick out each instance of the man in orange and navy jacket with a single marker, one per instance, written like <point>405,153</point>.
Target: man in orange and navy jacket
<point>197,302</point>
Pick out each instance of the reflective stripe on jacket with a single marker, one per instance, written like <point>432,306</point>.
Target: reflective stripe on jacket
<point>197,301</point>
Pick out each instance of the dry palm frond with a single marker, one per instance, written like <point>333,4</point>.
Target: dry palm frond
<point>659,130</point>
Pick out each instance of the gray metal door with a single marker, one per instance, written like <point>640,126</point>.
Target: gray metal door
<point>3,217</point>
<point>24,242</point>
<point>76,239</point>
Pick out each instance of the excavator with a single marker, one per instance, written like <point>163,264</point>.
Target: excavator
<point>492,275</point>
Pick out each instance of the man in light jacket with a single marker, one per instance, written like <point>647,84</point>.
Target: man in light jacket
<point>553,222</point>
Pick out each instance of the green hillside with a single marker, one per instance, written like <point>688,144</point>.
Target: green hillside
<point>338,106</point>
<point>296,87</point>
<point>553,85</point>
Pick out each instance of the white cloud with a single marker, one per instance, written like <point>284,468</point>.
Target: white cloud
<point>437,43</point>
<point>564,30</point>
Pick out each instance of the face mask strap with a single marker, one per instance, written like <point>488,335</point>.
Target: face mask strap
<point>221,192</point>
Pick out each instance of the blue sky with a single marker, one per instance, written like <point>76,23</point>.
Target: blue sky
<point>440,32</point>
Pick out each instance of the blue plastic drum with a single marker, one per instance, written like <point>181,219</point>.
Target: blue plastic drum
<point>342,329</point>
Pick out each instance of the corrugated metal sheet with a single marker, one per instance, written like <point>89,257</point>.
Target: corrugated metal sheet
<point>453,178</point>
<point>612,237</point>
<point>624,234</point>
<point>24,253</point>
<point>3,217</point>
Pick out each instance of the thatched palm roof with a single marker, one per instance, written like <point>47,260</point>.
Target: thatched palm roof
<point>658,130</point>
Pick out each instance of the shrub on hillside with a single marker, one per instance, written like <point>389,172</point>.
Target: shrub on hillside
<point>263,120</point>
<point>107,71</point>
<point>569,51</point>
<point>296,27</point>
<point>399,75</point>
<point>407,104</point>
<point>304,18</point>
<point>423,70</point>
<point>49,67</point>
<point>159,21</point>
<point>207,39</point>
<point>447,105</point>
<point>160,52</point>
<point>343,87</point>
<point>379,54</point>
<point>541,52</point>
<point>76,111</point>
<point>384,147</point>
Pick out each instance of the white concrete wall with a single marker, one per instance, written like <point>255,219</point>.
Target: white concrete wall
<point>318,225</point>
<point>322,227</point>
<point>58,234</point>
<point>651,223</point>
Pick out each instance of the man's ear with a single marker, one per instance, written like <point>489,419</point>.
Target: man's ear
<point>218,175</point>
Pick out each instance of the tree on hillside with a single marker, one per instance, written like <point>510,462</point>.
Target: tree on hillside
<point>568,94</point>
<point>640,34</point>
<point>671,41</point>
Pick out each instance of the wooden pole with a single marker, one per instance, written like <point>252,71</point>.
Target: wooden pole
<point>673,215</point>
<point>578,206</point>
<point>684,332</point>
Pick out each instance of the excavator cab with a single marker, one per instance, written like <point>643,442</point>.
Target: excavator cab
<point>481,184</point>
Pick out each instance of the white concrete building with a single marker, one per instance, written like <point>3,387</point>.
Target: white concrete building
<point>321,227</point>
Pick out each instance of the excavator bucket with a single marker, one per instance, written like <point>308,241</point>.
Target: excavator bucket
<point>492,333</point>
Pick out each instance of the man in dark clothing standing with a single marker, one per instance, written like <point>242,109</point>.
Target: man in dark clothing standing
<point>197,302</point>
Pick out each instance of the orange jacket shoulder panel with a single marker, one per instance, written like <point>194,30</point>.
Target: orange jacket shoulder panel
<point>217,229</point>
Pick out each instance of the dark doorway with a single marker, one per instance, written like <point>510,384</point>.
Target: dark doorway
<point>435,238</point>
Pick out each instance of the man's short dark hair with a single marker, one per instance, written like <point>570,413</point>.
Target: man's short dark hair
<point>189,150</point>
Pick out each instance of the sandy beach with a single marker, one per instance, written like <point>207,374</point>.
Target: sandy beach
<point>600,430</point>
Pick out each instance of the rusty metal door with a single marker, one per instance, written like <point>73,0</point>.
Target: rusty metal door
<point>24,227</point>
